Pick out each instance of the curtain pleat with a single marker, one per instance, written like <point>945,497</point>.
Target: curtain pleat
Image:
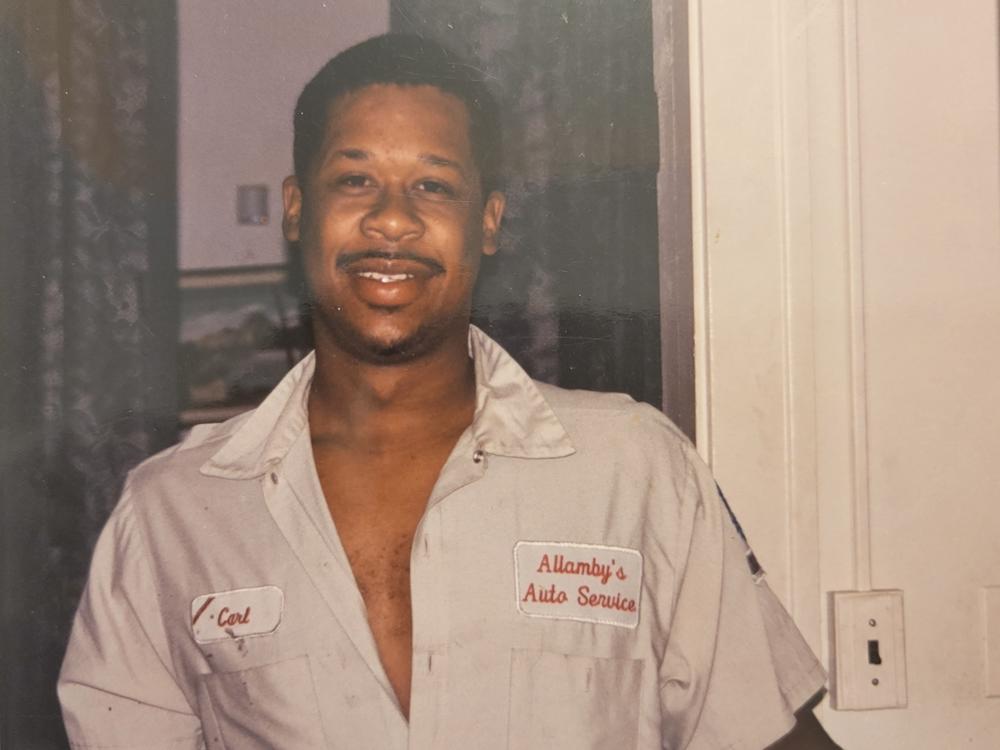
<point>89,307</point>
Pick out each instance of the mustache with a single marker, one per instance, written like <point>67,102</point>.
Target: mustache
<point>347,259</point>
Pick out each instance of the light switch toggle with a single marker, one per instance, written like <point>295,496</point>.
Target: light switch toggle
<point>873,656</point>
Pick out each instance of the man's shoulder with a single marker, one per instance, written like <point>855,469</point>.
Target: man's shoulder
<point>182,462</point>
<point>614,420</point>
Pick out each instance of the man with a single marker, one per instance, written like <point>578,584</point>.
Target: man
<point>410,543</point>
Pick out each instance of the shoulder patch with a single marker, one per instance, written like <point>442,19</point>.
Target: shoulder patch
<point>755,568</point>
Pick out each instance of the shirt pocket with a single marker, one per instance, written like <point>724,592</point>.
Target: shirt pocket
<point>268,706</point>
<point>565,701</point>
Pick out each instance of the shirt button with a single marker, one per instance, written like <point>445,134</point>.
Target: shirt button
<point>274,478</point>
<point>477,457</point>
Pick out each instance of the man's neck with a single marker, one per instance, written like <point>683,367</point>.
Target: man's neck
<point>381,408</point>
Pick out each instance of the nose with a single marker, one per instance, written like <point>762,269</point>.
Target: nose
<point>393,218</point>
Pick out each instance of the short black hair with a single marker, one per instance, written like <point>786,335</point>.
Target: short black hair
<point>406,60</point>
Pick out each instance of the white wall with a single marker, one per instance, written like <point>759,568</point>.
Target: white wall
<point>242,65</point>
<point>847,221</point>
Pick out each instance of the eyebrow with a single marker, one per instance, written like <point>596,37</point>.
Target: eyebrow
<point>435,160</point>
<point>356,154</point>
<point>442,161</point>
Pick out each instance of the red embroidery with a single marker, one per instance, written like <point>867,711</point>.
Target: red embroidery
<point>592,567</point>
<point>228,619</point>
<point>551,595</point>
<point>202,609</point>
<point>586,599</point>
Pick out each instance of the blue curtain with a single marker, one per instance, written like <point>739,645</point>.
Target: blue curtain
<point>574,292</point>
<point>88,316</point>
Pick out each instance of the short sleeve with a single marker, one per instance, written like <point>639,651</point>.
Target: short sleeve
<point>736,668</point>
<point>116,688</point>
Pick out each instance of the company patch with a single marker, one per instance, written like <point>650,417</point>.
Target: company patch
<point>585,582</point>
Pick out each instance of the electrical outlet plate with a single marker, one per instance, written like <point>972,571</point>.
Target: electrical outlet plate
<point>869,655</point>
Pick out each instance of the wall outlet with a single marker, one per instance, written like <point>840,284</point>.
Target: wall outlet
<point>869,655</point>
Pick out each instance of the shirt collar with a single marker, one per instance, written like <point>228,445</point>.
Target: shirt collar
<point>511,418</point>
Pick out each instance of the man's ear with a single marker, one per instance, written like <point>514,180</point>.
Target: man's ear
<point>492,217</point>
<point>291,196</point>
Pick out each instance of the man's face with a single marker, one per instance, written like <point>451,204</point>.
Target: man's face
<point>392,223</point>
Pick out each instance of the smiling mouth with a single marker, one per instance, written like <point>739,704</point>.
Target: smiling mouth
<point>384,278</point>
<point>388,266</point>
<point>389,280</point>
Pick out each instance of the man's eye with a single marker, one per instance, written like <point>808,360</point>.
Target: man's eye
<point>435,187</point>
<point>354,181</point>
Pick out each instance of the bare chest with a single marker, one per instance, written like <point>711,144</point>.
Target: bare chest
<point>376,506</point>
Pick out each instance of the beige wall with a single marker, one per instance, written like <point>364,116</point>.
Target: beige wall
<point>242,65</point>
<point>847,222</point>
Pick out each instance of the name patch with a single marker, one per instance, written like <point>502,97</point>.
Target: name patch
<point>236,614</point>
<point>585,582</point>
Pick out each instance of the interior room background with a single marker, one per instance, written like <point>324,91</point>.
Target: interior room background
<point>130,274</point>
<point>780,221</point>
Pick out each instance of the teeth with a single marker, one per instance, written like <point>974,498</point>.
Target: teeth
<point>386,278</point>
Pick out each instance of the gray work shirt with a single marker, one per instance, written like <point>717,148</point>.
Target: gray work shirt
<point>576,583</point>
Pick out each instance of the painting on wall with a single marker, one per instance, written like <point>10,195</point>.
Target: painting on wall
<point>241,330</point>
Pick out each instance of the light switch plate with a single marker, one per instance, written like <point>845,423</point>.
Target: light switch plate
<point>869,654</point>
<point>251,204</point>
<point>991,605</point>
